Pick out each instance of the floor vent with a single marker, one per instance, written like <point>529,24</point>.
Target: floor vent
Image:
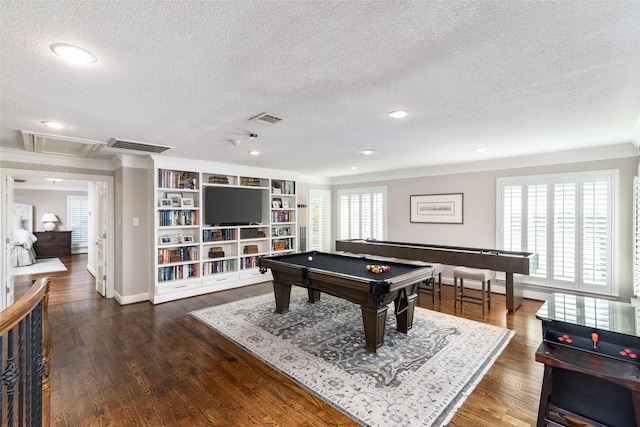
<point>138,146</point>
<point>266,119</point>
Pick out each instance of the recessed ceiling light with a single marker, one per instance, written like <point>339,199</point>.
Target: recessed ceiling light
<point>254,152</point>
<point>481,149</point>
<point>73,53</point>
<point>54,180</point>
<point>367,151</point>
<point>354,168</point>
<point>54,125</point>
<point>399,114</point>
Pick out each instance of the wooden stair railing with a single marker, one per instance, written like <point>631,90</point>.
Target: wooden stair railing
<point>25,398</point>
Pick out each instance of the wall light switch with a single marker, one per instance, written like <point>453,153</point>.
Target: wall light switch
<point>136,221</point>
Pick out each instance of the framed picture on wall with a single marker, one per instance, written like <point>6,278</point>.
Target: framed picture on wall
<point>437,208</point>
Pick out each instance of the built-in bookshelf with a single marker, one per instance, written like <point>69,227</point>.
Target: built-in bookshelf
<point>196,257</point>
<point>283,216</point>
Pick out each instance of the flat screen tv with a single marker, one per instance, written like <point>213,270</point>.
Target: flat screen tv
<point>232,206</point>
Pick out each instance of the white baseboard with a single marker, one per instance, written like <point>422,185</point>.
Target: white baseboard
<point>130,299</point>
<point>91,271</point>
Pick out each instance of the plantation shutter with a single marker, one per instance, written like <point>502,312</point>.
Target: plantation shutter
<point>564,231</point>
<point>595,230</point>
<point>344,216</point>
<point>512,218</point>
<point>362,214</point>
<point>537,228</point>
<point>567,219</point>
<point>320,208</point>
<point>78,213</point>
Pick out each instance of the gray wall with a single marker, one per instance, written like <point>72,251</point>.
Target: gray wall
<point>133,246</point>
<point>479,227</point>
<point>44,201</point>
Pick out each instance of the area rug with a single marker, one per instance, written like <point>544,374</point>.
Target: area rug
<point>414,379</point>
<point>45,265</point>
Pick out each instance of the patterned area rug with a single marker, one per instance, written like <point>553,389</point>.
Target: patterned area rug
<point>415,379</point>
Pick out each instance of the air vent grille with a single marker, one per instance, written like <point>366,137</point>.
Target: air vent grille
<point>266,119</point>
<point>138,146</point>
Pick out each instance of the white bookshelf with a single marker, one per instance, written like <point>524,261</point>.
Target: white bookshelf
<point>195,258</point>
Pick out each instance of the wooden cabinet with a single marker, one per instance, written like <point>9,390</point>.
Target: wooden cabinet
<point>591,370</point>
<point>52,244</point>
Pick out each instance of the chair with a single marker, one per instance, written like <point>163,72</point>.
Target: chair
<point>482,275</point>
<point>430,285</point>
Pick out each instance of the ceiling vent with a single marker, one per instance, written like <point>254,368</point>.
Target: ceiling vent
<point>137,146</point>
<point>266,119</point>
<point>60,145</point>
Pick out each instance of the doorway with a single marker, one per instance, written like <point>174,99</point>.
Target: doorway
<point>100,193</point>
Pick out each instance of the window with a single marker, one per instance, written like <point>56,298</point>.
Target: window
<point>77,211</point>
<point>363,213</point>
<point>320,220</point>
<point>567,219</point>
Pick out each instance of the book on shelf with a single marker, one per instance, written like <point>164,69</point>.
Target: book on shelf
<point>253,182</point>
<point>218,180</point>
<point>177,179</point>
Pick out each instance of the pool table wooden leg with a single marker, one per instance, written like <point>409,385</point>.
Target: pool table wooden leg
<point>374,320</point>
<point>282,293</point>
<point>404,320</point>
<point>313,295</point>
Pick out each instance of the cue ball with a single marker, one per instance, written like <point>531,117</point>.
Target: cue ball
<point>310,258</point>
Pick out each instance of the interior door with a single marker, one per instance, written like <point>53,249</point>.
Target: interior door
<point>6,294</point>
<point>101,237</point>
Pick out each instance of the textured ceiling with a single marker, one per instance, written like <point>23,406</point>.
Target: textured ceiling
<point>519,78</point>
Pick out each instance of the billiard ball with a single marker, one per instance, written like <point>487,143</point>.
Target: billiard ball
<point>309,258</point>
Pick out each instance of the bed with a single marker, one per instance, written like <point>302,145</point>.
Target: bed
<point>22,252</point>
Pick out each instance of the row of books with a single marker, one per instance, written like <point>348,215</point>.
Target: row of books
<point>283,187</point>
<point>177,272</point>
<point>173,179</point>
<point>250,262</point>
<point>177,218</point>
<point>282,216</point>
<point>223,266</point>
<point>189,253</point>
<point>217,235</point>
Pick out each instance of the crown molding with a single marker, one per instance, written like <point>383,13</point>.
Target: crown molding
<point>563,157</point>
<point>221,168</point>
<point>130,161</point>
<point>21,156</point>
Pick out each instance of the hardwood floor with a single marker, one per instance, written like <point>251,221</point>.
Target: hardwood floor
<point>145,365</point>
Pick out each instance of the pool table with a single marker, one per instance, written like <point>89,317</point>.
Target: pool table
<point>346,276</point>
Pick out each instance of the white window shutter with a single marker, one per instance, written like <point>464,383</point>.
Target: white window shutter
<point>320,230</point>
<point>78,220</point>
<point>567,219</point>
<point>362,213</point>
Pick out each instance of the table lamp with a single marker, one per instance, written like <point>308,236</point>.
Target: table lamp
<point>49,221</point>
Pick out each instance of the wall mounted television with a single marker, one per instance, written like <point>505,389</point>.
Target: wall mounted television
<point>233,206</point>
